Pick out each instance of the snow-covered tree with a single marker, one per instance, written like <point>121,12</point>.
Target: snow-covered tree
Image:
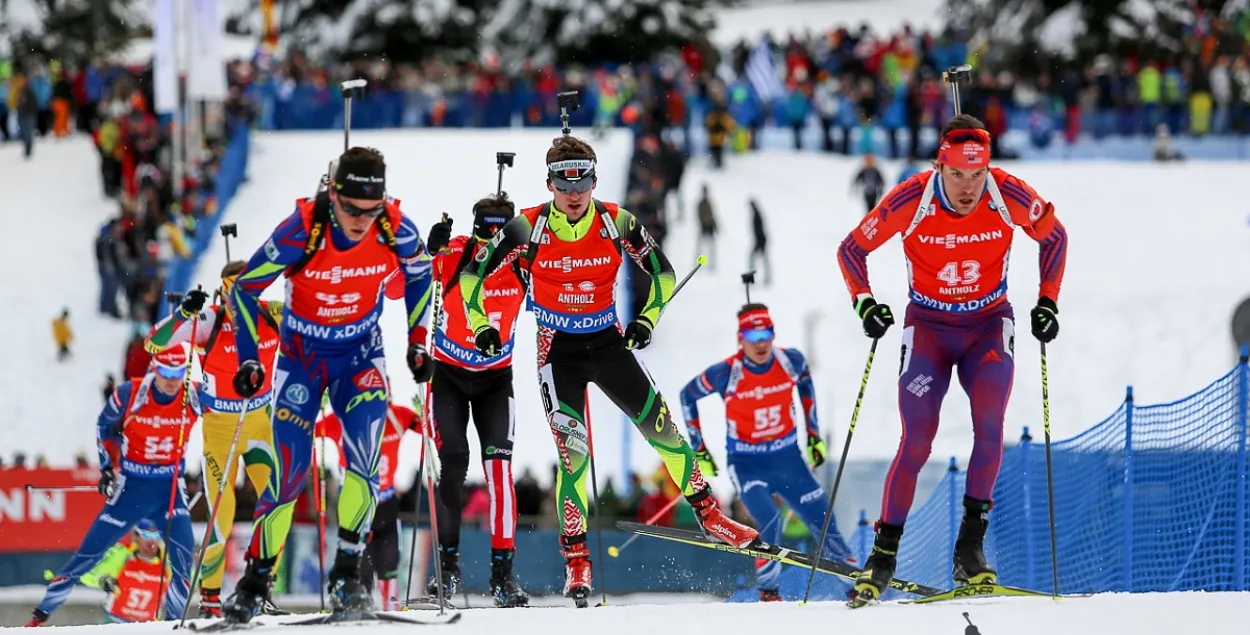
<point>68,29</point>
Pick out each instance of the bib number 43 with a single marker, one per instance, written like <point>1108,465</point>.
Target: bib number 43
<point>960,273</point>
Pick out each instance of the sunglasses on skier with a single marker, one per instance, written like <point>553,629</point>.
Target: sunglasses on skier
<point>565,186</point>
<point>171,372</point>
<point>965,135</point>
<point>148,534</point>
<point>755,336</point>
<point>358,212</point>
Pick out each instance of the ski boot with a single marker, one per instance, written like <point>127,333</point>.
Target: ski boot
<point>347,594</point>
<point>770,595</point>
<point>210,603</point>
<point>37,618</point>
<point>507,593</point>
<point>879,570</point>
<point>450,559</point>
<point>248,599</point>
<point>970,566</point>
<point>718,526</point>
<point>269,607</point>
<point>577,569</point>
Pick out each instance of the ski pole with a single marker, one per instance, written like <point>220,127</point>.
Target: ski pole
<point>173,486</point>
<point>702,260</point>
<point>427,428</point>
<point>416,510</point>
<point>594,486</point>
<point>320,484</point>
<point>615,551</point>
<point>61,488</point>
<point>225,481</point>
<point>228,230</point>
<point>1050,482</point>
<point>833,495</point>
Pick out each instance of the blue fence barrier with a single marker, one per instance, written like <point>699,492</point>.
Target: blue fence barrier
<point>1153,498</point>
<point>231,174</point>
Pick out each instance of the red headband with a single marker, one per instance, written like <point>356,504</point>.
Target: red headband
<point>966,149</point>
<point>754,319</point>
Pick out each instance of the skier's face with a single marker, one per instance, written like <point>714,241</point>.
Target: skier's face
<point>963,187</point>
<point>571,198</point>
<point>149,543</point>
<point>355,215</point>
<point>757,351</point>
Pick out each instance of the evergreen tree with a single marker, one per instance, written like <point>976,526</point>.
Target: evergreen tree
<point>76,29</point>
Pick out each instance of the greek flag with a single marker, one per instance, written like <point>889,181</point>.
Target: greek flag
<point>762,73</point>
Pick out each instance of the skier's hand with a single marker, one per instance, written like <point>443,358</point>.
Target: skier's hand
<point>816,449</point>
<point>638,334</point>
<point>108,584</point>
<point>1043,318</point>
<point>108,482</point>
<point>439,236</point>
<point>486,341</point>
<point>420,363</point>
<point>249,378</point>
<point>193,302</point>
<point>707,464</point>
<point>877,318</point>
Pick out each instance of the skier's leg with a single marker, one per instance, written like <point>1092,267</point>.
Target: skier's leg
<point>218,429</point>
<point>494,415</point>
<point>116,519</point>
<point>360,394</point>
<point>450,407</point>
<point>923,379</point>
<point>299,378</point>
<point>181,546</point>
<point>562,386</point>
<point>757,496</point>
<point>796,485</point>
<point>621,375</point>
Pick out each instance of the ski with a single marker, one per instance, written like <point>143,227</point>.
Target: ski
<point>771,552</point>
<point>221,626</point>
<point>416,617</point>
<point>978,590</point>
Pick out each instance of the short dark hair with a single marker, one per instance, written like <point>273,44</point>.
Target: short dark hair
<point>233,268</point>
<point>751,306</point>
<point>362,159</point>
<point>962,122</point>
<point>495,204</point>
<point>569,148</point>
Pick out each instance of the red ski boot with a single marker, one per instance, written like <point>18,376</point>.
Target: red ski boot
<point>719,526</point>
<point>577,573</point>
<point>770,596</point>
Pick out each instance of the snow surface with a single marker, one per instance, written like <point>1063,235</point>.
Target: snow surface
<point>1156,267</point>
<point>1145,614</point>
<point>47,250</point>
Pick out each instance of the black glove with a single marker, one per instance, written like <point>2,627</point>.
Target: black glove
<point>249,378</point>
<point>877,318</point>
<point>420,363</point>
<point>108,482</point>
<point>486,341</point>
<point>637,335</point>
<point>816,448</point>
<point>439,236</point>
<point>1044,320</point>
<point>193,302</point>
<point>108,584</point>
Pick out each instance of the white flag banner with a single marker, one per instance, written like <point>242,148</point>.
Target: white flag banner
<point>164,58</point>
<point>206,68</point>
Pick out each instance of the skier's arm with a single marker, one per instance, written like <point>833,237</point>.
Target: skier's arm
<point>415,261</point>
<point>108,425</point>
<point>176,328</point>
<point>889,217</point>
<point>807,390</point>
<point>281,250</point>
<point>1037,217</point>
<point>714,380</point>
<point>642,248</point>
<point>508,244</point>
<point>110,567</point>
